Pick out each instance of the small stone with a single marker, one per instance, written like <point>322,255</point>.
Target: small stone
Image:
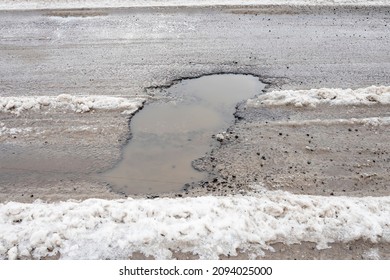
<point>220,137</point>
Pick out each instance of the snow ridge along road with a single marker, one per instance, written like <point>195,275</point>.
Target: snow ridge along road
<point>78,104</point>
<point>100,229</point>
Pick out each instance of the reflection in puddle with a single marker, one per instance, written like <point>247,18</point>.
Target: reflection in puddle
<point>167,137</point>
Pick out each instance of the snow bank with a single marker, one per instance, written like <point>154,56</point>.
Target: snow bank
<point>80,104</point>
<point>374,121</point>
<point>330,96</point>
<point>53,4</point>
<point>207,226</point>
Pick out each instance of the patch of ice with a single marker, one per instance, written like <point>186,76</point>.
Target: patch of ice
<point>57,4</point>
<point>330,96</point>
<point>80,104</point>
<point>4,130</point>
<point>207,226</point>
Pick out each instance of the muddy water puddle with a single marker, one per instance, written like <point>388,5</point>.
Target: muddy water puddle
<point>168,136</point>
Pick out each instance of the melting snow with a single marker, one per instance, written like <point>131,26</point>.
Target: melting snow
<point>374,121</point>
<point>207,226</point>
<point>331,96</point>
<point>80,104</point>
<point>4,130</point>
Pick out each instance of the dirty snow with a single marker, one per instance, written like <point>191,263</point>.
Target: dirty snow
<point>80,104</point>
<point>44,4</point>
<point>330,96</point>
<point>374,121</point>
<point>207,226</point>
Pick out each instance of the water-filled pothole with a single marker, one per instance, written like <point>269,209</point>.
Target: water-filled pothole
<point>168,136</point>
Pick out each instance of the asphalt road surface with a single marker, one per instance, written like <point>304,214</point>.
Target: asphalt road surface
<point>136,51</point>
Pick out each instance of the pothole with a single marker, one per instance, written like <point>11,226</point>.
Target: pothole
<point>168,136</point>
